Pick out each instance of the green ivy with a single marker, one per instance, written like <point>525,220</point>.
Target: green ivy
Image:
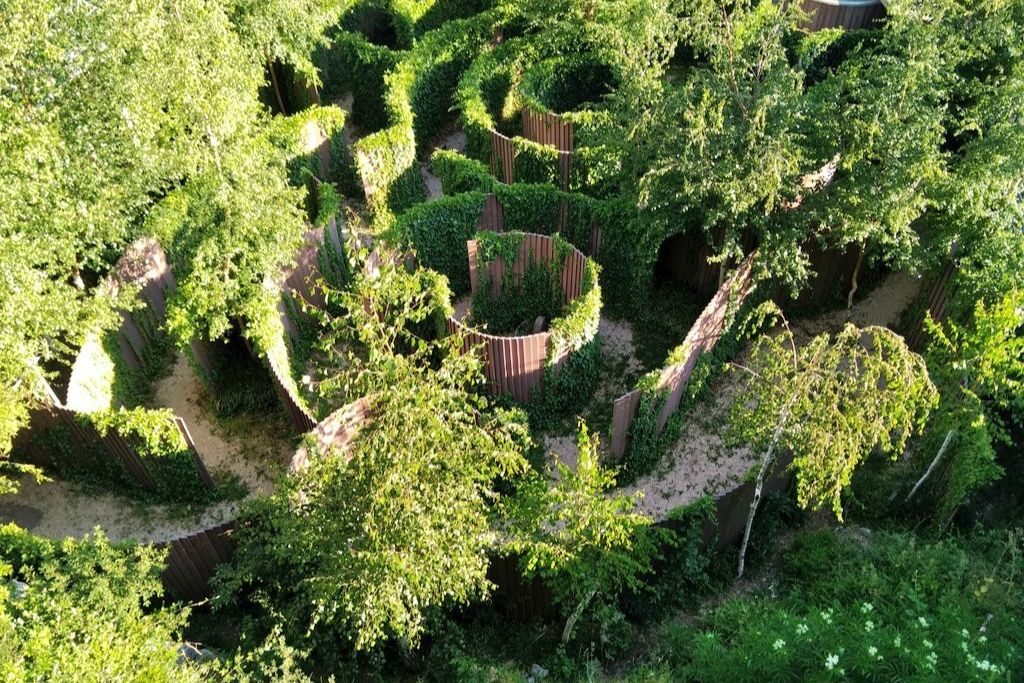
<point>419,89</point>
<point>492,246</point>
<point>438,231</point>
<point>351,63</point>
<point>532,207</point>
<point>162,449</point>
<point>521,300</point>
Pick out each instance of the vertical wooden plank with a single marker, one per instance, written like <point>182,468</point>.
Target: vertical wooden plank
<point>191,581</point>
<point>471,255</point>
<point>204,474</point>
<point>523,348</point>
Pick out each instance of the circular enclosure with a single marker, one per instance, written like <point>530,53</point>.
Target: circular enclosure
<point>526,111</point>
<point>846,14</point>
<point>568,83</point>
<point>535,301</point>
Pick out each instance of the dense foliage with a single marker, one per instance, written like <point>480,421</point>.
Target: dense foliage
<point>724,127</point>
<point>887,607</point>
<point>85,611</point>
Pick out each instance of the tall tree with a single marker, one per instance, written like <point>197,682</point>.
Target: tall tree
<point>878,116</point>
<point>84,611</point>
<point>403,517</point>
<point>979,369</point>
<point>829,402</point>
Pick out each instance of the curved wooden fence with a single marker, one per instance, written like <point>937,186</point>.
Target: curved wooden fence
<point>515,364</point>
<point>702,337</point>
<point>336,431</point>
<point>936,303</point>
<point>299,284</point>
<point>846,14</point>
<point>143,265</point>
<point>544,128</point>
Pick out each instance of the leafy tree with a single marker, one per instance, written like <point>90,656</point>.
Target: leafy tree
<point>408,500</point>
<point>830,402</point>
<point>105,111</point>
<point>724,143</point>
<point>979,369</point>
<point>285,30</point>
<point>85,612</point>
<point>878,118</point>
<point>586,543</point>
<point>403,519</point>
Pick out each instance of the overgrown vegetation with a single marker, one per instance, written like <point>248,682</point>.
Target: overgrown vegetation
<point>425,533</point>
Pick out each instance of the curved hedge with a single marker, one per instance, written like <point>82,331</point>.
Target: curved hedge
<point>418,96</point>
<point>516,74</point>
<point>351,63</point>
<point>438,231</point>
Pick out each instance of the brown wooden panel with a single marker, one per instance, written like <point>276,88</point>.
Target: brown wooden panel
<point>204,474</point>
<point>623,413</point>
<point>193,585</point>
<point>502,157</point>
<point>492,215</point>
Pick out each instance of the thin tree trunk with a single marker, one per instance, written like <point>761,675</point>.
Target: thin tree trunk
<point>853,284</point>
<point>766,463</point>
<point>571,623</point>
<point>276,85</point>
<point>928,472</point>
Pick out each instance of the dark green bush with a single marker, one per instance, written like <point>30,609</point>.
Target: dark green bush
<point>438,231</point>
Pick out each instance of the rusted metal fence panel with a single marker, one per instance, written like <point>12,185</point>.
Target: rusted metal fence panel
<point>701,337</point>
<point>299,284</point>
<point>336,432</point>
<point>492,216</point>
<point>845,14</point>
<point>515,364</point>
<point>544,128</point>
<point>193,560</point>
<point>623,413</point>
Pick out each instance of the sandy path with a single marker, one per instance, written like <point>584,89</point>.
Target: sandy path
<point>701,462</point>
<point>58,509</point>
<point>620,369</point>
<point>182,392</point>
<point>883,306</point>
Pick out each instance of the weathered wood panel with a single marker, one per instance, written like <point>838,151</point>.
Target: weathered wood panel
<point>192,561</point>
<point>937,295</point>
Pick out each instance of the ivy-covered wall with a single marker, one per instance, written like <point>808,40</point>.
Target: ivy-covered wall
<point>417,99</point>
<point>511,266</point>
<point>647,420</point>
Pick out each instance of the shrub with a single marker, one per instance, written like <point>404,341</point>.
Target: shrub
<point>87,612</point>
<point>888,607</point>
<point>438,231</point>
